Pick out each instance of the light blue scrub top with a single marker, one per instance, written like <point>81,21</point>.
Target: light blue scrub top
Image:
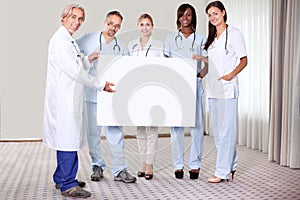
<point>182,47</point>
<point>89,43</point>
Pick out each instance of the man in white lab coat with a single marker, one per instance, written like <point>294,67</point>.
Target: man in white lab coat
<point>67,74</point>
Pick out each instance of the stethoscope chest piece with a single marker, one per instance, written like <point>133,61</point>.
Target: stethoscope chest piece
<point>116,47</point>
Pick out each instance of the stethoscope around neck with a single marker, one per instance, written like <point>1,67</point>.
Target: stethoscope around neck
<point>179,37</point>
<point>226,39</point>
<point>116,47</point>
<point>226,50</point>
<point>134,46</point>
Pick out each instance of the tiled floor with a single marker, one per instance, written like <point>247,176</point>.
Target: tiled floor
<point>26,173</point>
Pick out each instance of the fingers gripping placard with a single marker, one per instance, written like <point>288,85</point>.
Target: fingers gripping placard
<point>149,92</point>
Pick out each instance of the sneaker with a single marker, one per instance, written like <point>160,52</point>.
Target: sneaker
<point>97,174</point>
<point>80,184</point>
<point>76,191</point>
<point>125,177</point>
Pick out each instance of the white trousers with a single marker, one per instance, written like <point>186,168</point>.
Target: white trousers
<point>147,143</point>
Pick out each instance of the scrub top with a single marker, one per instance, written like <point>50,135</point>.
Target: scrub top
<point>222,62</point>
<point>178,46</point>
<point>89,43</point>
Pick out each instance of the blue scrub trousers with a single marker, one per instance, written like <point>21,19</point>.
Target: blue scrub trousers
<point>196,146</point>
<point>66,170</point>
<point>223,114</point>
<point>114,136</point>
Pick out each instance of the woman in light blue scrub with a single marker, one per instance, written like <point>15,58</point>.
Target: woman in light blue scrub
<point>183,43</point>
<point>226,58</point>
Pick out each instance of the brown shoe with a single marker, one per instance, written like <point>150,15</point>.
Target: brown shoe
<point>76,191</point>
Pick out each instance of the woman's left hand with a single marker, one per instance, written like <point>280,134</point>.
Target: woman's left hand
<point>227,77</point>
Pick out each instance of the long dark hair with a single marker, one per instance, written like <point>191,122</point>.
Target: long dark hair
<point>180,11</point>
<point>212,30</point>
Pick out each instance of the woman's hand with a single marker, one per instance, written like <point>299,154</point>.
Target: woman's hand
<point>227,77</point>
<point>197,57</point>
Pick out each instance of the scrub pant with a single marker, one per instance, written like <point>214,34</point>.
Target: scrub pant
<point>114,137</point>
<point>177,136</point>
<point>223,114</point>
<point>66,170</point>
<point>147,143</point>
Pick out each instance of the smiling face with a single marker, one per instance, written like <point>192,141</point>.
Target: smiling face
<point>145,25</point>
<point>73,21</point>
<point>215,16</point>
<point>186,19</point>
<point>112,25</point>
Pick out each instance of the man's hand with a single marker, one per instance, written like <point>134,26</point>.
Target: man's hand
<point>93,56</point>
<point>108,88</point>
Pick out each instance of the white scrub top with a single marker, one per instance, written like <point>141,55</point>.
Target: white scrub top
<point>221,63</point>
<point>89,43</point>
<point>153,48</point>
<point>67,73</point>
<point>178,46</point>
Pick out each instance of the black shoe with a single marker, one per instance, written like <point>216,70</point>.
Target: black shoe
<point>179,174</point>
<point>76,191</point>
<point>140,174</point>
<point>148,176</point>
<point>232,174</point>
<point>80,184</point>
<point>194,174</point>
<point>97,174</point>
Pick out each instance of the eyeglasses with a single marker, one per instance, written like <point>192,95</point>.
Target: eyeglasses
<point>111,24</point>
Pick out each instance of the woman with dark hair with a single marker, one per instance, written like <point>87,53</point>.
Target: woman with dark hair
<point>227,57</point>
<point>183,43</point>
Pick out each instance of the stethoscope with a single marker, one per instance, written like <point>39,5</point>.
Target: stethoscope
<point>148,49</point>
<point>226,39</point>
<point>226,50</point>
<point>180,37</point>
<point>77,51</point>
<point>115,47</point>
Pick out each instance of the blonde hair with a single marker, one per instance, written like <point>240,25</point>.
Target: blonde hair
<point>145,16</point>
<point>68,10</point>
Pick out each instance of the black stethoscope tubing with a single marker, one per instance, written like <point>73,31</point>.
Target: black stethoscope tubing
<point>77,51</point>
<point>179,36</point>
<point>226,39</point>
<point>148,49</point>
<point>114,47</point>
<point>226,50</point>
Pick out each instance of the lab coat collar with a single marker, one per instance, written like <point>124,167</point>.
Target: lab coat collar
<point>148,43</point>
<point>66,33</point>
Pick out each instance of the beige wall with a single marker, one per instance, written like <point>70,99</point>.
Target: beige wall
<point>26,27</point>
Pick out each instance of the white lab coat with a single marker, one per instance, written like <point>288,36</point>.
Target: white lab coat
<point>67,73</point>
<point>221,63</point>
<point>153,48</point>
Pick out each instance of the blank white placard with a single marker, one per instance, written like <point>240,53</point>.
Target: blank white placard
<point>149,91</point>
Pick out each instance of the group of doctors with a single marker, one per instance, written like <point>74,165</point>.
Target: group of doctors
<point>71,79</point>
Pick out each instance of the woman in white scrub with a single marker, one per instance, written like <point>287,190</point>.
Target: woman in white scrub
<point>227,57</point>
<point>146,46</point>
<point>183,43</point>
